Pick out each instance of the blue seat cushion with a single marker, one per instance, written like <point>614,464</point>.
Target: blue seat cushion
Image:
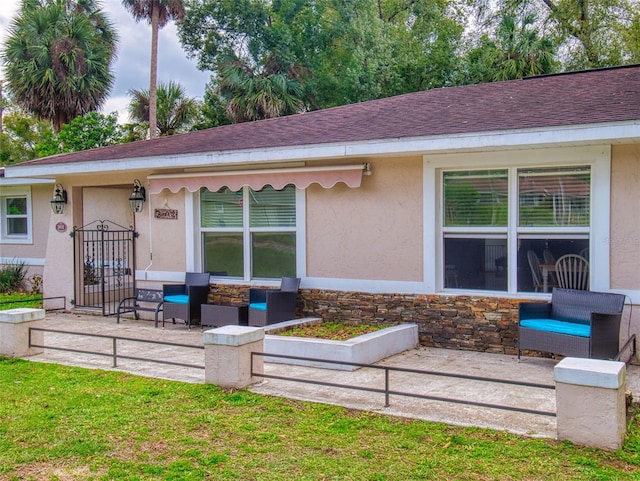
<point>177,299</point>
<point>561,327</point>
<point>261,306</point>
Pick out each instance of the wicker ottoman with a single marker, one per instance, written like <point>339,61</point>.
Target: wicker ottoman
<point>224,315</point>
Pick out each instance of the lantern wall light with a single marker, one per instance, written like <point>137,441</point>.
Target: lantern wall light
<point>59,199</point>
<point>137,197</point>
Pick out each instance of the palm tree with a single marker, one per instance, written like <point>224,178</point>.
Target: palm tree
<point>254,95</point>
<point>3,105</point>
<point>158,13</point>
<point>176,112</point>
<point>58,58</point>
<point>525,52</point>
<point>518,50</point>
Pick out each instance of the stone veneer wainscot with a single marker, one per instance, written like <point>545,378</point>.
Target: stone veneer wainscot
<point>476,323</point>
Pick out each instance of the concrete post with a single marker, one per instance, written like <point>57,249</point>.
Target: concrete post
<point>227,355</point>
<point>14,332</point>
<point>590,402</point>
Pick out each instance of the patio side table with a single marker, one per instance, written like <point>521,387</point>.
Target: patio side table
<point>224,314</point>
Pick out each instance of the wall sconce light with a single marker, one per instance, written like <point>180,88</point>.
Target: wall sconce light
<point>59,200</point>
<point>366,170</point>
<point>137,197</point>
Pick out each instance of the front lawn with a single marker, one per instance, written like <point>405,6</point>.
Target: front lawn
<point>20,300</point>
<point>66,423</point>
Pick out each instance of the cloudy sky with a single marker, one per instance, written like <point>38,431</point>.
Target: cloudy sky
<point>131,68</point>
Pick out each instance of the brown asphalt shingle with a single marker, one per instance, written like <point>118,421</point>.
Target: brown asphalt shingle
<point>590,97</point>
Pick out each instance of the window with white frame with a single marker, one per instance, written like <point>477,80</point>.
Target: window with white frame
<point>249,233</point>
<point>16,215</point>
<point>541,213</point>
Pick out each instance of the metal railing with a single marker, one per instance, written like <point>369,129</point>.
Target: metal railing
<point>387,391</point>
<point>631,343</point>
<point>114,347</point>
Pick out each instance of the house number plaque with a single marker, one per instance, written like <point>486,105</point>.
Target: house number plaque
<point>166,214</point>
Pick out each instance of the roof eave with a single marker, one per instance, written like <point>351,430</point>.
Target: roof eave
<point>587,134</point>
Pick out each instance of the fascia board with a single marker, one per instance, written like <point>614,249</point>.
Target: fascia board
<point>24,181</point>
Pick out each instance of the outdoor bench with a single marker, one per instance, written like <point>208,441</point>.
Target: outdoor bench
<point>575,323</point>
<point>152,298</point>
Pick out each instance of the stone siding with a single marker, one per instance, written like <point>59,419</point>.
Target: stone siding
<point>476,323</point>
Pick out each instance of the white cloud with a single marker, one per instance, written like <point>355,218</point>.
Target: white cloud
<point>131,67</point>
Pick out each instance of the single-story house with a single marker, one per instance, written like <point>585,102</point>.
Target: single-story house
<point>439,207</point>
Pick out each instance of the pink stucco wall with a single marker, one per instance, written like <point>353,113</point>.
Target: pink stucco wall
<point>373,232</point>
<point>107,203</point>
<point>164,247</point>
<point>625,217</point>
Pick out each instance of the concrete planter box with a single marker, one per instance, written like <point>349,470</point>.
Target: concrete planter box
<point>365,349</point>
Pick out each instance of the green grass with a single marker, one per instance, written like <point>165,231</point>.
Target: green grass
<point>336,331</point>
<point>26,300</point>
<point>64,423</point>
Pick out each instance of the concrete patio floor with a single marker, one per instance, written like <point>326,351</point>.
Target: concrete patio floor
<point>496,366</point>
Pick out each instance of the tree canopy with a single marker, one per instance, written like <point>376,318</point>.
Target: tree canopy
<point>286,56</point>
<point>21,133</point>
<point>588,33</point>
<point>331,52</point>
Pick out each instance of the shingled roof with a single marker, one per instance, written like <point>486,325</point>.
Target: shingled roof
<point>589,97</point>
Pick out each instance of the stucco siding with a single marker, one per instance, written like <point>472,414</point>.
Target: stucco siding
<point>625,217</point>
<point>167,237</point>
<point>373,232</point>
<point>107,203</point>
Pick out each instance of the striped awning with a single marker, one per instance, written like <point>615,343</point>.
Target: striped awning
<point>301,177</point>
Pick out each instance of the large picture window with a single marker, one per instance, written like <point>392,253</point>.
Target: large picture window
<point>540,213</point>
<point>249,233</point>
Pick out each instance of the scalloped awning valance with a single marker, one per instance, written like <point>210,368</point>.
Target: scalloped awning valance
<point>301,177</point>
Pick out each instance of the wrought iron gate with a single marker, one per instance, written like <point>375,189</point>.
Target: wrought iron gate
<point>104,265</point>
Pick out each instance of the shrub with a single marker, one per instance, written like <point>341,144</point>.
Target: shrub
<point>12,276</point>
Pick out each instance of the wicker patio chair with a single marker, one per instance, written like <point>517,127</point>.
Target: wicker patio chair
<point>575,323</point>
<point>268,306</point>
<point>183,301</point>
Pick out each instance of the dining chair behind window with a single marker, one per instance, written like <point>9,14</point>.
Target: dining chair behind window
<point>549,258</point>
<point>536,270</point>
<point>572,272</point>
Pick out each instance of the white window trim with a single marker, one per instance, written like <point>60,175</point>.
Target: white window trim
<point>195,258</point>
<point>16,191</point>
<point>597,157</point>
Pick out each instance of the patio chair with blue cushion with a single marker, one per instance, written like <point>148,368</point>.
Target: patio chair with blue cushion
<point>268,306</point>
<point>183,301</point>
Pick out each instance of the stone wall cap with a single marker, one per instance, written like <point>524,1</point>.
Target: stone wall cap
<point>22,314</point>
<point>233,335</point>
<point>590,372</point>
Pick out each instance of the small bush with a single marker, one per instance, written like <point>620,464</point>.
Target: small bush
<point>12,276</point>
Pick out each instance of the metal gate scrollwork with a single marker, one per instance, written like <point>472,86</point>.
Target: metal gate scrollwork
<point>104,265</point>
